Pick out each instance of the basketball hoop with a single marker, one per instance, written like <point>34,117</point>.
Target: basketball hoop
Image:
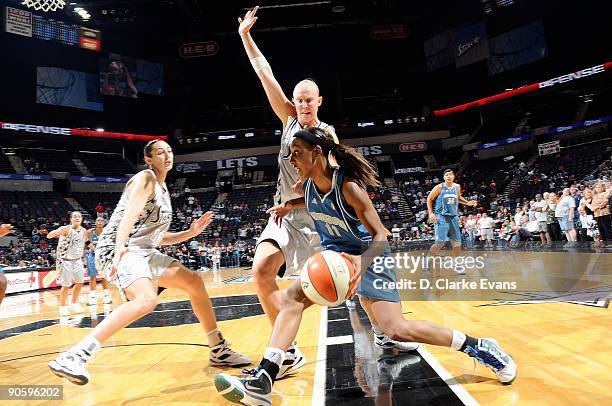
<point>44,5</point>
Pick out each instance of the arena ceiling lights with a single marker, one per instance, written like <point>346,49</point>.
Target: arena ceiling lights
<point>590,71</point>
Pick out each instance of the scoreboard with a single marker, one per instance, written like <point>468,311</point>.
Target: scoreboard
<point>27,24</point>
<point>54,30</point>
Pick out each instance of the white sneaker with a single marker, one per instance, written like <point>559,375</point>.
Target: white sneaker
<point>294,360</point>
<point>384,342</point>
<point>71,365</point>
<point>92,301</point>
<point>222,355</point>
<point>64,311</point>
<point>490,354</point>
<point>107,299</point>
<point>76,308</point>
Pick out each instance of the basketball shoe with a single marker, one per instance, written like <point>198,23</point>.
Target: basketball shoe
<point>222,355</point>
<point>254,389</point>
<point>71,365</point>
<point>383,341</point>
<point>294,360</point>
<point>489,353</point>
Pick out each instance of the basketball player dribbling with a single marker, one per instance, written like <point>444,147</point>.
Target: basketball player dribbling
<point>69,262</point>
<point>348,223</point>
<point>127,251</point>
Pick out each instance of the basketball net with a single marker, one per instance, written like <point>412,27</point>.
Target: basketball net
<point>44,5</point>
<point>54,89</point>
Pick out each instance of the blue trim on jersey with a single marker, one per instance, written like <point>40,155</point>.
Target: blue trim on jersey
<point>337,227</point>
<point>447,202</point>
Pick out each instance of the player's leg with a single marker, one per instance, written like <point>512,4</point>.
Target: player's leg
<point>76,269</point>
<point>380,338</point>
<point>266,264</point>
<point>179,277</point>
<point>142,296</point>
<point>256,389</point>
<point>485,350</point>
<point>93,280</point>
<point>66,282</point>
<point>107,299</point>
<point>3,285</point>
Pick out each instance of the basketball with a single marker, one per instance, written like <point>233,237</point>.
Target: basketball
<point>326,278</point>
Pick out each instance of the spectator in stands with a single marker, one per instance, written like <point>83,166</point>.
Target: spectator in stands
<point>540,215</point>
<point>100,210</point>
<point>564,212</point>
<point>551,221</point>
<point>586,221</point>
<point>601,210</point>
<point>486,229</point>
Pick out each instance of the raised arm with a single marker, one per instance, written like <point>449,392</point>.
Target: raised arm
<point>58,232</point>
<point>282,106</point>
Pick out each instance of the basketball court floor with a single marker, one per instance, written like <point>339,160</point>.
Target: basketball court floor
<point>560,342</point>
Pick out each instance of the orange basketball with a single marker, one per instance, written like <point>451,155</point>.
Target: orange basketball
<point>326,278</point>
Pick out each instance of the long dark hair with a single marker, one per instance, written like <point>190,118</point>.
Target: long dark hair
<point>354,164</point>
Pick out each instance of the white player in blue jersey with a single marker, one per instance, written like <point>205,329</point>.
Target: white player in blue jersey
<point>347,222</point>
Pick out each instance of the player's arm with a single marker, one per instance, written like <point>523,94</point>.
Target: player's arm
<point>281,210</point>
<point>58,232</point>
<point>141,187</point>
<point>282,106</point>
<point>358,199</point>
<point>196,228</point>
<point>462,200</point>
<point>88,243</point>
<point>5,229</point>
<point>431,197</point>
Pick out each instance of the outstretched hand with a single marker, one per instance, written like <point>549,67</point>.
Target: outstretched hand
<point>198,225</point>
<point>5,229</point>
<point>278,212</point>
<point>247,22</point>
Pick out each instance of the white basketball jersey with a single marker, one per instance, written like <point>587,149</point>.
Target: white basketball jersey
<point>287,175</point>
<point>152,223</point>
<point>71,246</point>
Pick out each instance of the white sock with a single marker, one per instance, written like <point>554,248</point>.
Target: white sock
<point>377,330</point>
<point>275,355</point>
<point>89,345</point>
<point>214,337</point>
<point>458,340</point>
